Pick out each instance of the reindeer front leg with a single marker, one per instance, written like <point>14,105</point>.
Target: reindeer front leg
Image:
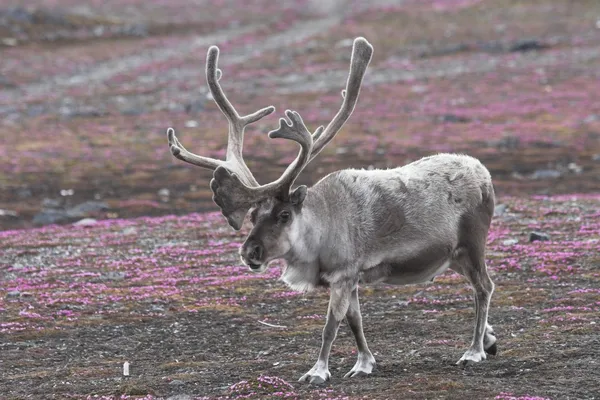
<point>365,362</point>
<point>339,301</point>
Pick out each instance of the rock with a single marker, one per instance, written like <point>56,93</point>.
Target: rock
<point>88,207</point>
<point>527,45</point>
<point>510,242</point>
<point>453,118</point>
<point>36,110</point>
<point>139,30</point>
<point>50,216</point>
<point>82,111</point>
<point>596,157</point>
<point>500,209</point>
<point>545,174</point>
<point>17,14</point>
<point>132,111</point>
<point>176,382</point>
<point>86,222</point>
<point>191,124</point>
<point>509,142</point>
<point>24,193</point>
<point>158,309</point>
<point>574,168</point>
<point>344,43</point>
<point>194,107</point>
<point>445,50</point>
<point>114,276</point>
<point>129,231</point>
<point>164,194</point>
<point>5,83</point>
<point>180,397</point>
<point>418,89</point>
<point>8,213</point>
<point>13,293</point>
<point>491,47</point>
<point>52,203</point>
<point>538,236</point>
<point>53,213</point>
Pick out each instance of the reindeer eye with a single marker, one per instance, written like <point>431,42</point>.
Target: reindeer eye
<point>284,216</point>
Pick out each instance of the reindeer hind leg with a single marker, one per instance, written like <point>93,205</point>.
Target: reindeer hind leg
<point>469,261</point>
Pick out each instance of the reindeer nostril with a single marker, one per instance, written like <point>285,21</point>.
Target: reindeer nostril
<point>256,254</point>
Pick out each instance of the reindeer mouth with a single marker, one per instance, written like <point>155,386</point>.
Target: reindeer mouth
<point>254,267</point>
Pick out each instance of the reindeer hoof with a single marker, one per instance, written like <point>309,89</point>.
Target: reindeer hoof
<point>353,374</point>
<point>317,380</point>
<point>363,367</point>
<point>471,357</point>
<point>316,376</point>
<point>493,349</point>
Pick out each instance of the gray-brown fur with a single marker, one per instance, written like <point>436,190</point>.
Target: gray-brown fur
<point>400,226</point>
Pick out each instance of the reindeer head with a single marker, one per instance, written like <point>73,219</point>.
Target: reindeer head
<point>275,206</point>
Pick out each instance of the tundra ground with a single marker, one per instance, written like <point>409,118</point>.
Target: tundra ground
<point>86,96</point>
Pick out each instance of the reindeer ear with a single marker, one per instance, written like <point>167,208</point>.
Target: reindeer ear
<point>231,195</point>
<point>298,195</point>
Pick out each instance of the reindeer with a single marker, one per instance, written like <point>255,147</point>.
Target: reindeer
<point>399,226</point>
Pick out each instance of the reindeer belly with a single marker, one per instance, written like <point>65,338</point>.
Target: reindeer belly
<point>419,268</point>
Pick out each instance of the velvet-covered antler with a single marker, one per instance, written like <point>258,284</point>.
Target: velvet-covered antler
<point>235,198</point>
<point>234,161</point>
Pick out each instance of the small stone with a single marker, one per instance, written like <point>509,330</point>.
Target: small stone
<point>546,174</point>
<point>9,42</point>
<point>8,213</point>
<point>177,382</point>
<point>52,203</point>
<point>418,89</point>
<point>86,222</point>
<point>164,192</point>
<point>510,242</point>
<point>500,209</point>
<point>344,43</point>
<point>194,106</point>
<point>180,397</point>
<point>453,118</point>
<point>538,236</point>
<point>50,216</point>
<point>129,231</point>
<point>576,169</point>
<point>88,207</point>
<point>114,276</point>
<point>13,293</point>
<point>527,45</point>
<point>99,30</point>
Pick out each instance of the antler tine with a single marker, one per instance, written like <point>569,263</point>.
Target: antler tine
<point>234,161</point>
<point>237,123</point>
<point>362,52</point>
<point>181,153</point>
<point>297,132</point>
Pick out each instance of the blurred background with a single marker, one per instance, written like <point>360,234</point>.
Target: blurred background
<point>88,89</point>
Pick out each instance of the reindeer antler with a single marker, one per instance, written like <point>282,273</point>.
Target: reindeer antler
<point>234,187</point>
<point>235,198</point>
<point>234,161</point>
<point>362,52</point>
